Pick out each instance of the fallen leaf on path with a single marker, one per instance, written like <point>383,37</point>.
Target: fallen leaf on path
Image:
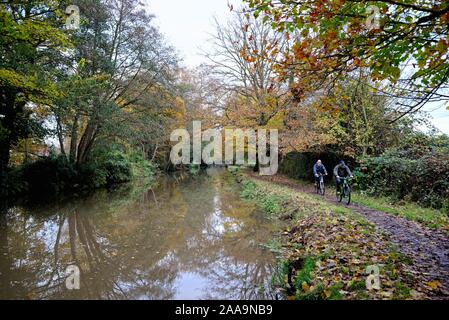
<point>435,284</point>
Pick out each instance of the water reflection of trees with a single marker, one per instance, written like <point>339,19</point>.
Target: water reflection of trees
<point>33,263</point>
<point>135,245</point>
<point>229,246</point>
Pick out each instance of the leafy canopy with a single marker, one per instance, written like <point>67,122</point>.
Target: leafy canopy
<point>408,46</point>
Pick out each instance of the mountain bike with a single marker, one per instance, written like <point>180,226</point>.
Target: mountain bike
<point>345,193</point>
<point>320,185</point>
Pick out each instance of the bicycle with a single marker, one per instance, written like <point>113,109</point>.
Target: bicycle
<point>320,186</point>
<point>345,192</point>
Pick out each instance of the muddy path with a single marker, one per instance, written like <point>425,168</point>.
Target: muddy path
<point>428,248</point>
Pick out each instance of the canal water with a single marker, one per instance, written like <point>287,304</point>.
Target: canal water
<point>179,238</point>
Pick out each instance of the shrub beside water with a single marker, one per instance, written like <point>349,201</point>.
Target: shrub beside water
<point>55,174</point>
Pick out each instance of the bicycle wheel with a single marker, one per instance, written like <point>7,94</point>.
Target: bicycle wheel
<point>341,194</point>
<point>322,190</point>
<point>348,195</point>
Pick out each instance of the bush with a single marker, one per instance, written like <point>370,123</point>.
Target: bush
<point>45,176</point>
<point>423,179</point>
<point>118,168</point>
<point>15,184</point>
<point>249,190</point>
<point>194,169</point>
<point>55,174</point>
<point>92,175</point>
<point>141,168</point>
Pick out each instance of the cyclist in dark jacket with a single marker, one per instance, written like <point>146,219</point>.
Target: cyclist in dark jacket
<point>341,171</point>
<point>318,169</point>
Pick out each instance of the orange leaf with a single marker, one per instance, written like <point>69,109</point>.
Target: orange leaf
<point>435,284</point>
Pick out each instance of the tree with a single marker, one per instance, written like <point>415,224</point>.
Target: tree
<point>352,120</point>
<point>245,56</point>
<point>363,118</point>
<point>120,65</point>
<point>408,47</point>
<point>30,36</point>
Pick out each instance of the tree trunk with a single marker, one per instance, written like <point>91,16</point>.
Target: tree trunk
<point>256,166</point>
<point>86,143</point>
<point>60,136</point>
<point>72,235</point>
<point>74,139</point>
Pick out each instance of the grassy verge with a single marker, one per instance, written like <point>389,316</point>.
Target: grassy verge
<point>325,251</point>
<point>431,218</point>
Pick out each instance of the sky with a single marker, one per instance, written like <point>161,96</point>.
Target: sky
<point>187,25</point>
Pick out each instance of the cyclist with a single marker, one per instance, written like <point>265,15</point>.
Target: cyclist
<point>318,169</point>
<point>341,171</point>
